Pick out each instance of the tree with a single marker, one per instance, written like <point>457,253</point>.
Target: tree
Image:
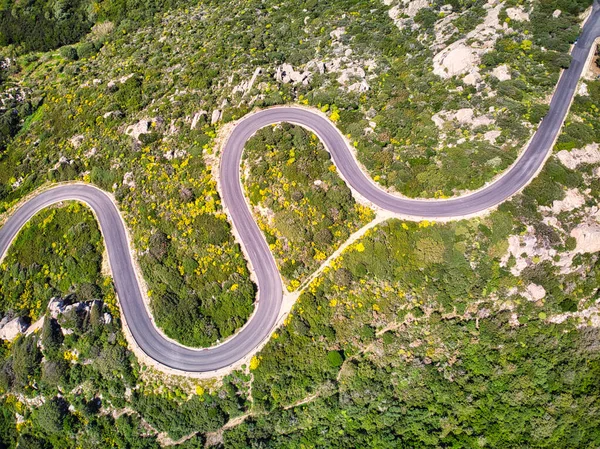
<point>52,415</point>
<point>52,337</point>
<point>26,360</point>
<point>158,245</point>
<point>335,359</point>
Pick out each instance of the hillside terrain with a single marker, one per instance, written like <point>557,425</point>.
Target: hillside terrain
<point>474,333</point>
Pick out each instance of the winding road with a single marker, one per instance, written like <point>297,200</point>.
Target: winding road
<point>270,291</point>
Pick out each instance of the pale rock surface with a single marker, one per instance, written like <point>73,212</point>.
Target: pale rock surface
<point>590,154</point>
<point>197,117</point>
<point>556,14</point>
<point>582,90</point>
<point>534,292</point>
<point>76,141</point>
<point>572,200</point>
<point>524,248</point>
<point>502,72</point>
<point>403,13</point>
<point>492,136</point>
<point>144,126</point>
<point>472,79</point>
<point>215,116</point>
<point>518,14</point>
<point>121,80</point>
<point>245,86</point>
<point>460,57</point>
<point>9,330</point>
<point>465,116</point>
<point>286,74</point>
<point>587,237</point>
<point>128,180</point>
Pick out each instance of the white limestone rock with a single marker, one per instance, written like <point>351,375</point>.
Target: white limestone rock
<point>518,14</point>
<point>587,237</point>
<point>590,154</point>
<point>502,72</point>
<point>11,329</point>
<point>534,292</point>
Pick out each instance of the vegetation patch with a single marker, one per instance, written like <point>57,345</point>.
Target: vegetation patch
<point>302,206</point>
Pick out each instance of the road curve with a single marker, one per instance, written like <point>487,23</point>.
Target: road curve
<point>153,343</point>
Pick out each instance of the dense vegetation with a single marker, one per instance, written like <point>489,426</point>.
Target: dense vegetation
<point>169,64</point>
<point>303,207</point>
<point>74,383</point>
<point>420,335</point>
<point>58,254</point>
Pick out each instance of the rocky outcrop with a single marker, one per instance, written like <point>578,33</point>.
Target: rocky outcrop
<point>245,86</point>
<point>286,74</point>
<point>76,141</point>
<point>587,236</point>
<point>572,200</point>
<point>518,14</point>
<point>144,126</point>
<point>464,56</point>
<point>215,116</point>
<point>197,117</point>
<point>11,329</point>
<point>534,292</point>
<point>465,116</point>
<point>590,154</point>
<point>404,13</point>
<point>502,72</point>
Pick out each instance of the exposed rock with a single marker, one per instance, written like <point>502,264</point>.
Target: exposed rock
<point>350,73</point>
<point>472,79</point>
<point>361,86</point>
<point>534,292</point>
<point>403,13</point>
<point>502,72</point>
<point>590,154</point>
<point>128,180</point>
<point>582,90</point>
<point>465,116</point>
<point>334,65</point>
<point>491,136</point>
<point>319,65</point>
<point>524,248</point>
<point>456,60</point>
<point>215,117</point>
<point>587,237</point>
<point>111,114</point>
<point>197,117</point>
<point>76,140</point>
<point>9,330</point>
<point>144,126</point>
<point>175,154</point>
<point>55,307</point>
<point>556,14</point>
<point>245,86</point>
<point>286,74</point>
<point>337,33</point>
<point>121,80</point>
<point>91,152</point>
<point>518,14</point>
<point>572,200</point>
<point>462,56</point>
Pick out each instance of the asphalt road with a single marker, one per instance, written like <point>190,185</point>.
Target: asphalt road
<point>270,289</point>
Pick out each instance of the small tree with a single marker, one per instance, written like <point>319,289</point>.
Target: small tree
<point>52,414</point>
